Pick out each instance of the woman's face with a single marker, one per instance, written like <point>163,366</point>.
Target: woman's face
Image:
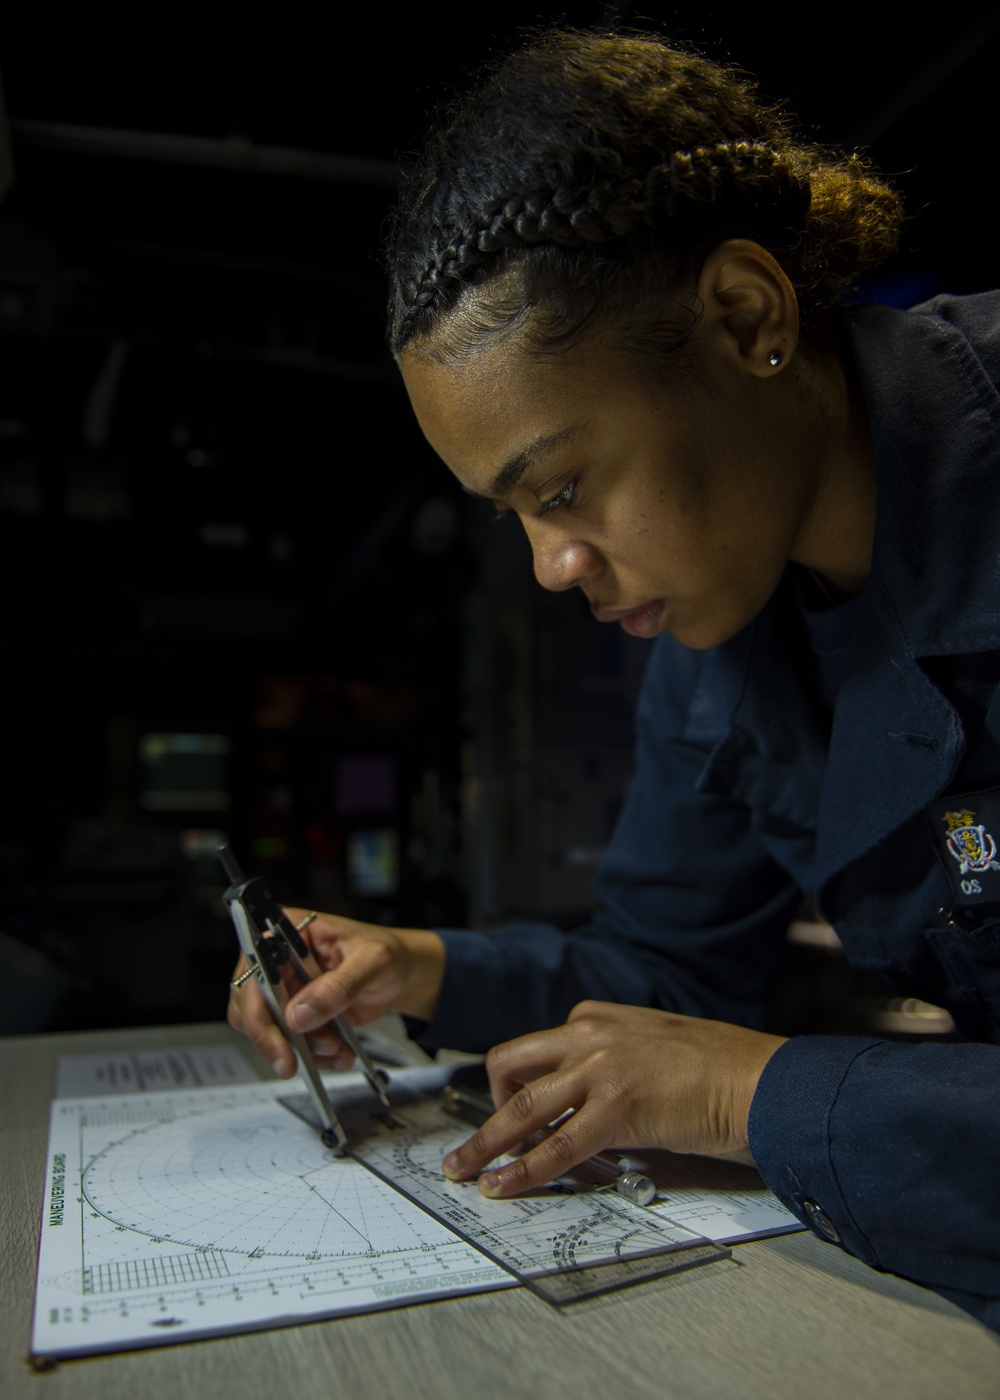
<point>672,494</point>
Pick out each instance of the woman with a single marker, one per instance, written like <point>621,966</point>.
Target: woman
<point>617,281</point>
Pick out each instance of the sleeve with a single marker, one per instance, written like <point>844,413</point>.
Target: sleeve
<point>692,911</point>
<point>891,1153</point>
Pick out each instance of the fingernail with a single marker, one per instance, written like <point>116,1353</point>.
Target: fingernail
<point>343,1061</point>
<point>304,1018</point>
<point>280,1068</point>
<point>450,1166</point>
<point>489,1183</point>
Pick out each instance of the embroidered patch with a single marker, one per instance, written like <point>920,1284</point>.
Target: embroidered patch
<point>963,836</point>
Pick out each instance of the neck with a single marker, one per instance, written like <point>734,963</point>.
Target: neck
<point>839,529</point>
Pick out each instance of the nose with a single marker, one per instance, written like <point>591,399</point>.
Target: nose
<point>562,563</point>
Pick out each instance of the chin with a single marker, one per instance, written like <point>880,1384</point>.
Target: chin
<point>705,635</point>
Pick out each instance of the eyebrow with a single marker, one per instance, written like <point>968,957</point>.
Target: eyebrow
<point>514,468</point>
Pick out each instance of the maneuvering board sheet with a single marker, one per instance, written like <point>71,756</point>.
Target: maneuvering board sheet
<point>172,1216</point>
<point>720,1198</point>
<point>182,1214</point>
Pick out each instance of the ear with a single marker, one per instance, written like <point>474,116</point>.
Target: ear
<point>749,302</point>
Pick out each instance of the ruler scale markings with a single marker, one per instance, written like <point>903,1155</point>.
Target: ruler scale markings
<point>560,1230</point>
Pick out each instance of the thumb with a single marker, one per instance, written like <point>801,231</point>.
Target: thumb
<point>334,992</point>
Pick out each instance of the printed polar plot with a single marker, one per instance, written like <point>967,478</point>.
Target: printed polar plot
<point>260,1184</point>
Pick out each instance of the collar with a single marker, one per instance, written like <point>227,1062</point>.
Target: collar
<point>935,418</point>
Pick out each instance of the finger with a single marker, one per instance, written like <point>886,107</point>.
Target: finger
<point>306,922</point>
<point>327,1045</point>
<point>330,1052</point>
<point>601,1011</point>
<point>530,1057</point>
<point>333,992</point>
<point>248,1012</point>
<point>531,1108</point>
<point>233,1012</point>
<point>581,1136</point>
<point>237,1002</point>
<point>323,933</point>
<point>328,1049</point>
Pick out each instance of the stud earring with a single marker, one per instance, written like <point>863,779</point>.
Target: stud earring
<point>775,358</point>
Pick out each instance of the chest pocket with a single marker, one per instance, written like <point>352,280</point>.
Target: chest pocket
<point>969,953</point>
<point>901,911</point>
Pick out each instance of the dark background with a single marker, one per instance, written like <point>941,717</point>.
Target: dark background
<point>241,598</point>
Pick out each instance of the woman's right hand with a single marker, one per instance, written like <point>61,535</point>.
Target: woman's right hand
<point>367,971</point>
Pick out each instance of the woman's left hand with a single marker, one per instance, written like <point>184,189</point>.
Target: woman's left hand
<point>634,1078</point>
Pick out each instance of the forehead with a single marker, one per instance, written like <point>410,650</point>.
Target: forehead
<point>481,411</point>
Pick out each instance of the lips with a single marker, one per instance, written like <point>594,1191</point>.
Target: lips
<point>640,622</point>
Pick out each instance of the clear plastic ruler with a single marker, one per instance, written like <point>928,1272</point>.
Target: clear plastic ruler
<point>566,1241</point>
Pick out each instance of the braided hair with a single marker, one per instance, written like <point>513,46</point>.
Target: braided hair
<point>587,173</point>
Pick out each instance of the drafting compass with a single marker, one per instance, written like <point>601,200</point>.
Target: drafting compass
<point>270,943</point>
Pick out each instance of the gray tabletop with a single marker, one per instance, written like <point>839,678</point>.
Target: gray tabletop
<point>786,1317</point>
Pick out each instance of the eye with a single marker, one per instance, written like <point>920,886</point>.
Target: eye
<point>561,498</point>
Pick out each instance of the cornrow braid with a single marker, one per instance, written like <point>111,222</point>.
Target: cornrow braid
<point>572,216</point>
<point>597,165</point>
